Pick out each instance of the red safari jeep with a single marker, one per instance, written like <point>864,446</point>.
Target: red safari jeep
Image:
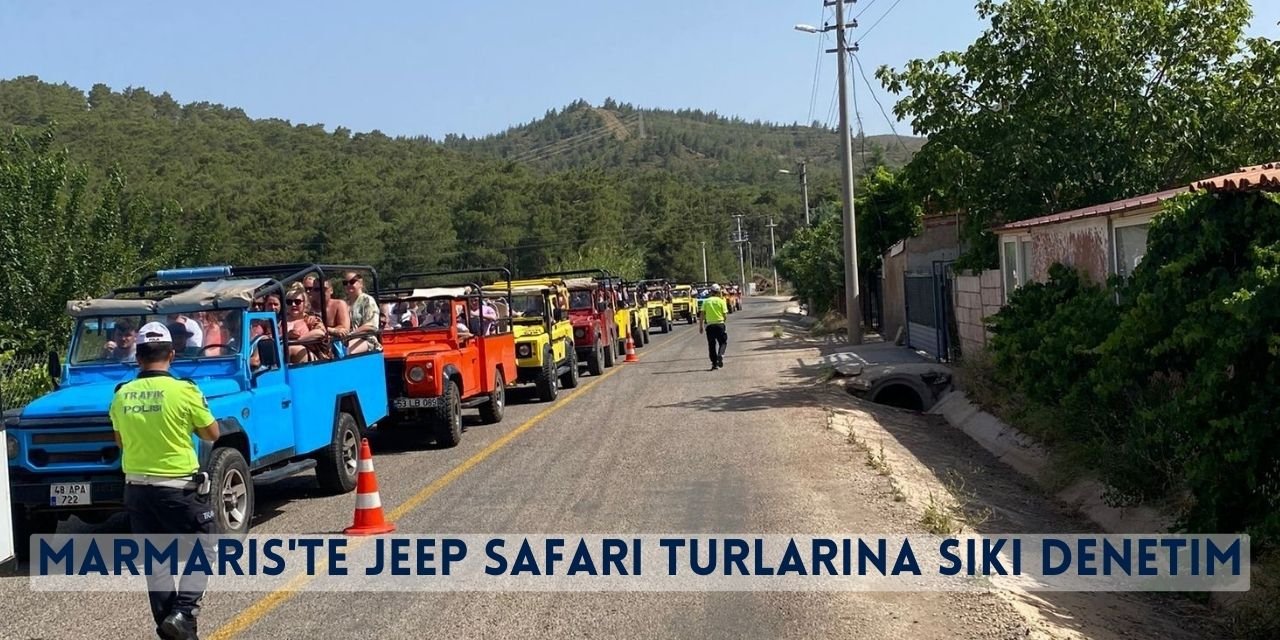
<point>447,348</point>
<point>596,337</point>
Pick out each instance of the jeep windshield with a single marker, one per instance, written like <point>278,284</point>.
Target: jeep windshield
<point>528,306</point>
<point>108,339</point>
<point>581,301</point>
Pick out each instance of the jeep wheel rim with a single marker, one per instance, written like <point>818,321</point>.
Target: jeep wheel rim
<point>235,498</point>
<point>350,459</point>
<point>500,395</point>
<point>457,414</point>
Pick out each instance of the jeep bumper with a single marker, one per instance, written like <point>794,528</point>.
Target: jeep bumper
<point>33,491</point>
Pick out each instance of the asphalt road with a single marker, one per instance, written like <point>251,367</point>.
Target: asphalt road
<point>662,445</point>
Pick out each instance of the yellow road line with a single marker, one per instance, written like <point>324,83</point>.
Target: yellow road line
<point>273,600</point>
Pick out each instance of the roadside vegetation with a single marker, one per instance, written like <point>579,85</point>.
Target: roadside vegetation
<point>1165,384</point>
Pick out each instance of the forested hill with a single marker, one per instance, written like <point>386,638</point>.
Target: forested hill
<point>690,141</point>
<point>266,190</point>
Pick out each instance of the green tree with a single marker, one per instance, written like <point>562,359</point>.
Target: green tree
<point>1063,103</point>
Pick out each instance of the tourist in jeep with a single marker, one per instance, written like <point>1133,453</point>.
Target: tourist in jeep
<point>121,345</point>
<point>364,314</point>
<point>302,326</point>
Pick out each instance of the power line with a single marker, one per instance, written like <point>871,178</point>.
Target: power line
<point>864,10</point>
<point>871,90</point>
<point>817,68</point>
<point>564,144</point>
<point>878,21</point>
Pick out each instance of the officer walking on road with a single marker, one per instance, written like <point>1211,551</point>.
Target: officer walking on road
<point>711,316</point>
<point>153,417</point>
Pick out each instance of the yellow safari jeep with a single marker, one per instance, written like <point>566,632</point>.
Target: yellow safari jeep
<point>543,335</point>
<point>657,295</point>
<point>683,305</point>
<point>635,307</point>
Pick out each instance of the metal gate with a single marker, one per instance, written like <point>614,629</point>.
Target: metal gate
<point>928,302</point>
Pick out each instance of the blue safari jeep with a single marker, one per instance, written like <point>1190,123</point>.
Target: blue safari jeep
<point>283,406</point>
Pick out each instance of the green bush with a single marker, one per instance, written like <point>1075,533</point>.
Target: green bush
<point>21,380</point>
<point>1173,389</point>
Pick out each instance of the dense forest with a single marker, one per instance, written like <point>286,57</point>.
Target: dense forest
<point>254,190</point>
<point>690,142</point>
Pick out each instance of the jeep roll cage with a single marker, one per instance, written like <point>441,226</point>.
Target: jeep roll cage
<point>475,289</point>
<point>274,279</point>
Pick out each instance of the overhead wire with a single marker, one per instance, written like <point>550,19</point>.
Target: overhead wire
<point>858,63</point>
<point>879,20</point>
<point>817,66</point>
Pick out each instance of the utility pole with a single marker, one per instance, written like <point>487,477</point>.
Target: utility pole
<point>852,307</point>
<point>739,238</point>
<point>773,257</point>
<point>704,261</point>
<point>804,186</point>
<point>751,263</point>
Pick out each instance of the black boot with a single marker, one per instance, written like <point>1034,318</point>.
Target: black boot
<point>179,626</point>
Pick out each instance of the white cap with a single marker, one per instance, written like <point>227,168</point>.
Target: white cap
<point>715,288</point>
<point>153,332</point>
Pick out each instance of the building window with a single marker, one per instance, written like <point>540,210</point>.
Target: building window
<point>1016,262</point>
<point>1131,246</point>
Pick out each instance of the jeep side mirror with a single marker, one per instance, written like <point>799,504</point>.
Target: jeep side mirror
<point>560,315</point>
<point>55,368</point>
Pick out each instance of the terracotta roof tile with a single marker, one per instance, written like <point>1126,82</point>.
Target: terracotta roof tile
<point>1263,177</point>
<point>1119,206</point>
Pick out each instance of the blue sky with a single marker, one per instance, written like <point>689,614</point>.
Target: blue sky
<point>439,66</point>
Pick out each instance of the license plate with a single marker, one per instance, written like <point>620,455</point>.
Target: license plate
<point>69,494</point>
<point>414,403</point>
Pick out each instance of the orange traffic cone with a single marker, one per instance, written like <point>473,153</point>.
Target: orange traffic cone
<point>369,520</point>
<point>631,351</point>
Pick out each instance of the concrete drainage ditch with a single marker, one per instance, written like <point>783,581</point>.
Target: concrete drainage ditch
<point>914,386</point>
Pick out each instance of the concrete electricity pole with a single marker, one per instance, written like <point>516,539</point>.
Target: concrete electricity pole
<point>704,261</point>
<point>852,307</point>
<point>740,237</point>
<point>773,257</point>
<point>804,186</point>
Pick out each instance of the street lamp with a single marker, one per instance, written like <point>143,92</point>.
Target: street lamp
<point>807,28</point>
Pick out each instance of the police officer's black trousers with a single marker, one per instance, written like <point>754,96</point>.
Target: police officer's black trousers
<point>171,511</point>
<point>717,340</point>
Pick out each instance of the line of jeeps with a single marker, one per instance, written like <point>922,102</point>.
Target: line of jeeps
<point>290,398</point>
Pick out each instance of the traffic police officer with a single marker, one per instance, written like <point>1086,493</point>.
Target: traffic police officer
<point>711,316</point>
<point>153,417</point>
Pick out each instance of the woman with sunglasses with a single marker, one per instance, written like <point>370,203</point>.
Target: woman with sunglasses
<point>302,326</point>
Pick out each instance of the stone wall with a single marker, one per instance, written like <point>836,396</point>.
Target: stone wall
<point>976,297</point>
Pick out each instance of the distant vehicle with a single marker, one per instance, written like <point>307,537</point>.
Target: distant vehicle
<point>454,350</point>
<point>276,418</point>
<point>683,306</point>
<point>657,296</point>
<point>597,336</point>
<point>638,310</point>
<point>545,352</point>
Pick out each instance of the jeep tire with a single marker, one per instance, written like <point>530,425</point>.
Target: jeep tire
<point>231,492</point>
<point>546,382</point>
<point>491,411</point>
<point>447,423</point>
<point>570,378</point>
<point>666,324</point>
<point>595,366</point>
<point>611,354</point>
<point>336,471</point>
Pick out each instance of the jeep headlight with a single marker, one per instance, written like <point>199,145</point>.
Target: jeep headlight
<point>524,350</point>
<point>416,374</point>
<point>579,333</point>
<point>11,447</point>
